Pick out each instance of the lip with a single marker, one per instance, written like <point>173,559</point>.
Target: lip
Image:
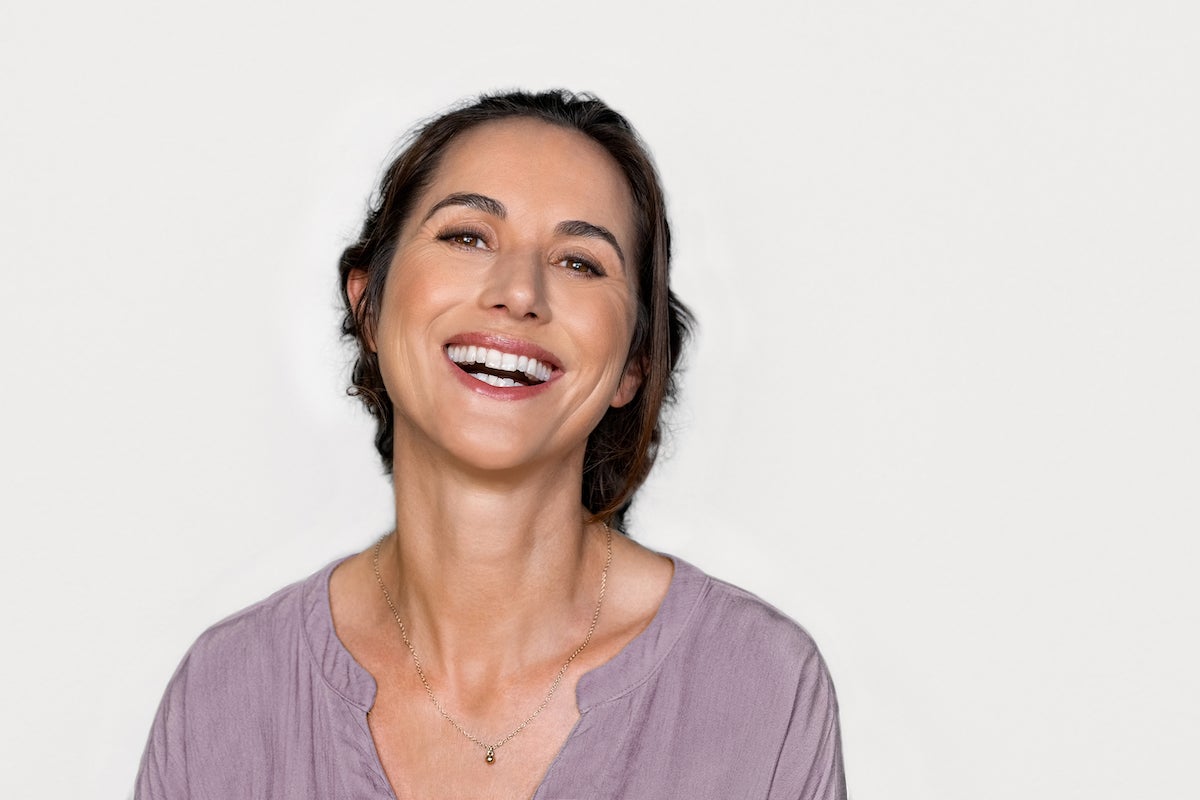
<point>506,344</point>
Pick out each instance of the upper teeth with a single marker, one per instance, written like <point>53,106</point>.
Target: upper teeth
<point>497,359</point>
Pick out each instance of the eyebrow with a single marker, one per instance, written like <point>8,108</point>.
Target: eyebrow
<point>479,202</point>
<point>488,205</point>
<point>577,227</point>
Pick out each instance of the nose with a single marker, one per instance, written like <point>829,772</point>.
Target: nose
<point>515,286</point>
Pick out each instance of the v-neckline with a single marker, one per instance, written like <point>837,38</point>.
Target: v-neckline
<point>632,666</point>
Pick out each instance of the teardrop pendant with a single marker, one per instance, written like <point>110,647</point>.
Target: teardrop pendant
<point>491,756</point>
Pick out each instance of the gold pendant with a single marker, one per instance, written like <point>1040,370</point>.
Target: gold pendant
<point>491,755</point>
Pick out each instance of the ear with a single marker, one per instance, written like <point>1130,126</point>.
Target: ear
<point>356,285</point>
<point>631,381</point>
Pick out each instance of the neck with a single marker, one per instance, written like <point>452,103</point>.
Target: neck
<point>491,575</point>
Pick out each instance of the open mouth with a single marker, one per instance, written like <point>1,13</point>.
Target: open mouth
<point>498,368</point>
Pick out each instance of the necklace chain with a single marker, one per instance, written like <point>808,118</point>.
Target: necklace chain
<point>490,748</point>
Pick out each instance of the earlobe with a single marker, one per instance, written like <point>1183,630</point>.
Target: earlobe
<point>631,381</point>
<point>356,286</point>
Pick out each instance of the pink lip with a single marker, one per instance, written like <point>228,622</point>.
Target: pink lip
<point>507,345</point>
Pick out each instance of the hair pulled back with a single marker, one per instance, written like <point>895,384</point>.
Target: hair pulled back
<point>622,448</point>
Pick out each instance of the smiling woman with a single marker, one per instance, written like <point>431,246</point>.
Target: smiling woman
<point>516,340</point>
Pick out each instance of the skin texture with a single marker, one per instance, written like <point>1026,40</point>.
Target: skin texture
<point>492,567</point>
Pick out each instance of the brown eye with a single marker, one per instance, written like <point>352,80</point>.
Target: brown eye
<point>581,266</point>
<point>465,239</point>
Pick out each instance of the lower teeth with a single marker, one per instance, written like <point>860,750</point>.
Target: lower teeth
<point>495,380</point>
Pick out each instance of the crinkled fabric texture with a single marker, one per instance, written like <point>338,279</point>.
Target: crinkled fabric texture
<point>722,696</point>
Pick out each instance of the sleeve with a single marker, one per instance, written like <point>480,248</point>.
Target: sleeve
<point>162,774</point>
<point>810,761</point>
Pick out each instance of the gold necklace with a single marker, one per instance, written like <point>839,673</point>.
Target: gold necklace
<point>490,749</point>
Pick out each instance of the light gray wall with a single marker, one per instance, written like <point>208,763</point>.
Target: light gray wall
<point>942,409</point>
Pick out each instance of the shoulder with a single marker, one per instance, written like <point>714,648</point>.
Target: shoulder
<point>778,682</point>
<point>250,642</point>
<point>740,670</point>
<point>232,665</point>
<point>726,619</point>
<point>733,653</point>
<point>229,683</point>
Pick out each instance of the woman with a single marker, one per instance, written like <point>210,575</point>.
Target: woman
<point>517,340</point>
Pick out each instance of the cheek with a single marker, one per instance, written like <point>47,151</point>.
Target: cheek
<point>414,291</point>
<point>406,308</point>
<point>627,314</point>
<point>610,334</point>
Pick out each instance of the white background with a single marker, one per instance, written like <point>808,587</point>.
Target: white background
<point>942,409</point>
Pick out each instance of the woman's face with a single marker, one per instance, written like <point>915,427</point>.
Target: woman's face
<point>510,302</point>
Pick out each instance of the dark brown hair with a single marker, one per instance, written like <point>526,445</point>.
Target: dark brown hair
<point>622,448</point>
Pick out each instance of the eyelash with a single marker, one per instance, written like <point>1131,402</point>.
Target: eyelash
<point>589,267</point>
<point>454,236</point>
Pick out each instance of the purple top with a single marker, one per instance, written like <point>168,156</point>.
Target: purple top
<point>722,696</point>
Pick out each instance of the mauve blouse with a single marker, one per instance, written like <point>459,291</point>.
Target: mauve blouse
<point>722,696</point>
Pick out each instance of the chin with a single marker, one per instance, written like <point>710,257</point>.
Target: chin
<point>502,454</point>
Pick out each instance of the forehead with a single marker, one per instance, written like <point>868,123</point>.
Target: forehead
<point>538,171</point>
